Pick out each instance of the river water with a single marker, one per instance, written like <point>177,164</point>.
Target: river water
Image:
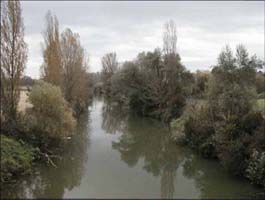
<point>119,155</point>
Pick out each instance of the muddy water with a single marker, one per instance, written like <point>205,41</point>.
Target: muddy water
<point>119,155</point>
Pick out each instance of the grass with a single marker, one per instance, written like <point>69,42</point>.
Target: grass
<point>16,158</point>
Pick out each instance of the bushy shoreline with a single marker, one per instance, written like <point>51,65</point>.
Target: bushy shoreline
<point>16,158</point>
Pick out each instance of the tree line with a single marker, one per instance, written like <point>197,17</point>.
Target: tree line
<point>57,100</point>
<point>215,112</point>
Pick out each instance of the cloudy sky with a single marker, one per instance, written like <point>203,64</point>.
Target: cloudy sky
<point>128,28</point>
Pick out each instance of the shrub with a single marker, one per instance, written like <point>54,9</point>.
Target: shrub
<point>251,121</point>
<point>198,125</point>
<point>136,103</point>
<point>208,148</point>
<point>258,138</point>
<point>256,168</point>
<point>174,106</point>
<point>16,158</point>
<point>50,115</point>
<point>232,155</point>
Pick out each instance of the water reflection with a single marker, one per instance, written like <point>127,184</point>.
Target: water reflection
<point>50,182</point>
<point>148,139</point>
<point>213,181</point>
<point>113,118</point>
<point>119,155</point>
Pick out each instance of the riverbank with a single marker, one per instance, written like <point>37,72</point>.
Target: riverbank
<point>115,154</point>
<point>42,125</point>
<point>242,155</point>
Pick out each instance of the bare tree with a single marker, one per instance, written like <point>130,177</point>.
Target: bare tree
<point>170,38</point>
<point>51,67</point>
<point>13,57</point>
<point>109,68</point>
<point>109,63</point>
<point>173,70</point>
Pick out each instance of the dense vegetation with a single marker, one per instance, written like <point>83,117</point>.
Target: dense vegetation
<point>16,157</point>
<point>215,112</point>
<point>62,94</point>
<point>154,84</point>
<point>226,125</point>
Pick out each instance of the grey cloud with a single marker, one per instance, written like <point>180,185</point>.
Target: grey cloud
<point>130,27</point>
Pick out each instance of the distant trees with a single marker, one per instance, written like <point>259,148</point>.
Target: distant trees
<point>51,68</point>
<point>109,67</point>
<point>154,84</point>
<point>109,63</point>
<point>27,81</point>
<point>200,83</point>
<point>13,59</point>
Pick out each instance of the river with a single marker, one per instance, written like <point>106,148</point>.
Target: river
<point>119,155</point>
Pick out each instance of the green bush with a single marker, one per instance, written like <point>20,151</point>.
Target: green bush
<point>16,158</point>
<point>236,138</point>
<point>174,106</point>
<point>208,148</point>
<point>198,126</point>
<point>50,115</point>
<point>232,155</point>
<point>136,103</point>
<point>177,130</point>
<point>256,168</point>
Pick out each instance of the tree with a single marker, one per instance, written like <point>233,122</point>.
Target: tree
<point>109,67</point>
<point>231,87</point>
<point>50,116</point>
<point>51,68</point>
<point>109,63</point>
<point>200,79</point>
<point>74,71</point>
<point>153,84</point>
<point>260,82</point>
<point>173,68</point>
<point>170,38</point>
<point>13,58</point>
<point>174,74</point>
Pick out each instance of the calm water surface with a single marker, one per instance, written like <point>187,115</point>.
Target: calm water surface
<point>117,155</point>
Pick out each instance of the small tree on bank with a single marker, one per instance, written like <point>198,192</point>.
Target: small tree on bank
<point>51,117</point>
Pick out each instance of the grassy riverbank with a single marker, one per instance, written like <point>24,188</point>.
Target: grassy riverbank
<point>16,158</point>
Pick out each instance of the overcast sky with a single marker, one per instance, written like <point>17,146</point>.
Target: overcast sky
<point>128,28</point>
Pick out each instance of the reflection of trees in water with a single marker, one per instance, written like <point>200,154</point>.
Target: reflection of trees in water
<point>149,140</point>
<point>113,118</point>
<point>167,184</point>
<point>51,182</point>
<point>211,179</point>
